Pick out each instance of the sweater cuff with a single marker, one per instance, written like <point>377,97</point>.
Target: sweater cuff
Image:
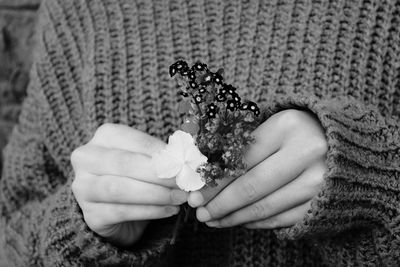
<point>361,185</point>
<point>69,240</point>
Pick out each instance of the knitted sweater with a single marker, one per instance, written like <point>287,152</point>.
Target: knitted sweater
<point>101,61</point>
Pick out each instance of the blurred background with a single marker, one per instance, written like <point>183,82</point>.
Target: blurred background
<point>17,31</point>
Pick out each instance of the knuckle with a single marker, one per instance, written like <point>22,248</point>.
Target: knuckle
<point>316,183</point>
<point>75,188</point>
<point>258,211</point>
<point>249,190</point>
<point>77,155</point>
<point>273,222</point>
<point>148,144</point>
<point>93,222</point>
<point>290,119</point>
<point>320,146</point>
<point>120,212</point>
<point>174,197</point>
<point>125,161</point>
<point>111,189</point>
<point>103,131</point>
<point>215,208</point>
<point>105,128</point>
<point>78,189</point>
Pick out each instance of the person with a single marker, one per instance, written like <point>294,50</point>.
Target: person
<point>322,187</point>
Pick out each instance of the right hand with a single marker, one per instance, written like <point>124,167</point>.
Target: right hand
<point>116,186</point>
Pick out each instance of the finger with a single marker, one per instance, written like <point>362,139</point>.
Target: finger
<point>123,190</point>
<point>262,180</point>
<point>299,191</point>
<point>268,139</point>
<point>123,137</point>
<point>284,219</point>
<point>105,161</point>
<point>98,215</point>
<point>204,195</point>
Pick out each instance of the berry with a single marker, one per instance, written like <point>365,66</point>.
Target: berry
<point>220,97</point>
<point>193,84</point>
<point>223,90</point>
<point>191,75</point>
<point>180,64</point>
<point>207,78</point>
<point>212,106</point>
<point>199,66</point>
<point>244,106</point>
<point>236,98</point>
<point>202,90</point>
<point>231,105</point>
<point>184,71</point>
<point>184,94</point>
<point>230,89</point>
<point>172,70</point>
<point>217,78</point>
<point>198,99</point>
<point>212,110</point>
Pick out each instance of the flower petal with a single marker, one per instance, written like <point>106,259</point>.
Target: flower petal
<point>189,180</point>
<point>177,143</point>
<point>166,164</point>
<point>193,157</point>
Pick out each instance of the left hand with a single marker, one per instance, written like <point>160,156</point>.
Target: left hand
<point>286,165</point>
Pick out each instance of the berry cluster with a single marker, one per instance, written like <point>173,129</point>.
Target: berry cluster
<point>220,121</point>
<point>206,86</point>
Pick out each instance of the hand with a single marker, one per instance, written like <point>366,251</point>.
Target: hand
<point>286,165</point>
<point>116,187</point>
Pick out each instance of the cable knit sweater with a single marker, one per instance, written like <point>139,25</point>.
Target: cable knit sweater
<point>103,61</point>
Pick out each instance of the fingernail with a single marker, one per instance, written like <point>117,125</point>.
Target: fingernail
<point>172,209</point>
<point>213,223</point>
<point>203,215</point>
<point>179,196</point>
<point>196,199</point>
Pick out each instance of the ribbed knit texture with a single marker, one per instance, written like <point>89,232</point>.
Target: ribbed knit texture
<point>103,61</point>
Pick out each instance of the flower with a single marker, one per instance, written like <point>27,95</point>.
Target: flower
<point>180,159</point>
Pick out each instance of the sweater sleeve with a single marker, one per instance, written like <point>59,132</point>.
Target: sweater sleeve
<point>355,216</point>
<point>41,223</point>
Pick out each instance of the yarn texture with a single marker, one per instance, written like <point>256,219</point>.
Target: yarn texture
<point>100,61</point>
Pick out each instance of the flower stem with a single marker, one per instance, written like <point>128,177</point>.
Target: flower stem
<point>182,217</point>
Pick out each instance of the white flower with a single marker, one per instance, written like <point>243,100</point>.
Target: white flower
<point>180,158</point>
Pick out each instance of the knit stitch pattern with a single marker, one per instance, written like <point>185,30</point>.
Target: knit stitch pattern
<point>100,61</point>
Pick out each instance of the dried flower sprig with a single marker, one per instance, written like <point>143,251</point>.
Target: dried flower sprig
<point>217,117</point>
<point>219,123</point>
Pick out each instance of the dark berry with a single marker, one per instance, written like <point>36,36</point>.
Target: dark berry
<point>236,98</point>
<point>199,66</point>
<point>252,106</point>
<point>231,105</point>
<point>184,94</point>
<point>212,110</point>
<point>211,114</point>
<point>217,78</point>
<point>244,106</point>
<point>212,106</point>
<point>198,99</point>
<point>229,88</point>
<point>172,70</point>
<point>191,75</point>
<point>220,97</point>
<point>223,91</point>
<point>202,90</point>
<point>193,84</point>
<point>184,71</point>
<point>180,64</point>
<point>207,78</point>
